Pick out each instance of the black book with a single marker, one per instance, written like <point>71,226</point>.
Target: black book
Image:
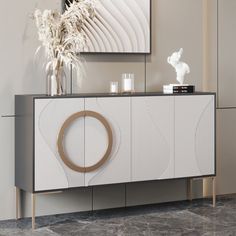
<point>182,91</point>
<point>179,89</point>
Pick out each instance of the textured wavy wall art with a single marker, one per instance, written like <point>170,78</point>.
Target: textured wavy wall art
<point>120,26</point>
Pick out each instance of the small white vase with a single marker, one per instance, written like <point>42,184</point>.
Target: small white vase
<point>55,80</point>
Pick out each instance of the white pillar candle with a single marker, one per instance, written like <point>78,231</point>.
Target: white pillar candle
<point>128,82</point>
<point>114,87</point>
<point>127,85</point>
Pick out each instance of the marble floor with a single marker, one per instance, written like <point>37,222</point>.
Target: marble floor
<point>180,218</point>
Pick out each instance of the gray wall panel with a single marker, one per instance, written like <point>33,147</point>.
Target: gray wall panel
<point>227,52</point>
<point>7,165</point>
<point>176,24</point>
<point>210,43</point>
<point>20,72</point>
<point>99,70</point>
<point>226,151</point>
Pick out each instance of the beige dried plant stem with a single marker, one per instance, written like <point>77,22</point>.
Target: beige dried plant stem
<point>62,35</point>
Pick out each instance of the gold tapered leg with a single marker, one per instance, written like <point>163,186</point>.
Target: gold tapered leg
<point>189,189</point>
<point>214,191</point>
<point>33,210</point>
<point>17,203</point>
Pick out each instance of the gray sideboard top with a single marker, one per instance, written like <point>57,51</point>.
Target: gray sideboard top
<point>137,94</point>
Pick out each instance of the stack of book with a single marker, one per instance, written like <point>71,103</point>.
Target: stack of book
<point>178,88</point>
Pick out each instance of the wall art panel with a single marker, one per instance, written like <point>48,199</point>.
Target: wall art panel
<point>120,27</point>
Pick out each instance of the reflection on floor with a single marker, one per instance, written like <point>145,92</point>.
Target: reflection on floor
<point>181,218</point>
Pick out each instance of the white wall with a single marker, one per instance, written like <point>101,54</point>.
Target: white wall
<point>175,24</point>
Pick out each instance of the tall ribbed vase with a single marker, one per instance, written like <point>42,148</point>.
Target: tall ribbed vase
<point>55,79</point>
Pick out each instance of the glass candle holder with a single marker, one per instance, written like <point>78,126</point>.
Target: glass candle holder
<point>128,83</point>
<point>114,87</point>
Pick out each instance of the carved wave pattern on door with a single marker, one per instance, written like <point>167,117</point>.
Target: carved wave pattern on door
<point>45,120</point>
<point>199,127</point>
<point>160,133</point>
<point>44,136</point>
<point>116,145</point>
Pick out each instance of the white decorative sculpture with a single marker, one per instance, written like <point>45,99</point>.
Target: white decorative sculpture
<point>181,68</point>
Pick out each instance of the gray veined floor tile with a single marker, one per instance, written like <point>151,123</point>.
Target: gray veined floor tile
<point>224,215</point>
<point>229,232</point>
<point>37,232</point>
<point>172,219</point>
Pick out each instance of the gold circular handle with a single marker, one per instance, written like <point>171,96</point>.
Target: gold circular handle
<point>61,135</point>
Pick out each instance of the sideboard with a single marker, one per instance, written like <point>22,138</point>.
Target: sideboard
<point>97,139</point>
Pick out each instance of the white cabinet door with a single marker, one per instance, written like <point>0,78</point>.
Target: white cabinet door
<point>194,136</point>
<point>152,138</point>
<point>117,168</point>
<point>50,171</point>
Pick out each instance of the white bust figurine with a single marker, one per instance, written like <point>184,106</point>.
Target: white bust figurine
<point>181,68</point>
